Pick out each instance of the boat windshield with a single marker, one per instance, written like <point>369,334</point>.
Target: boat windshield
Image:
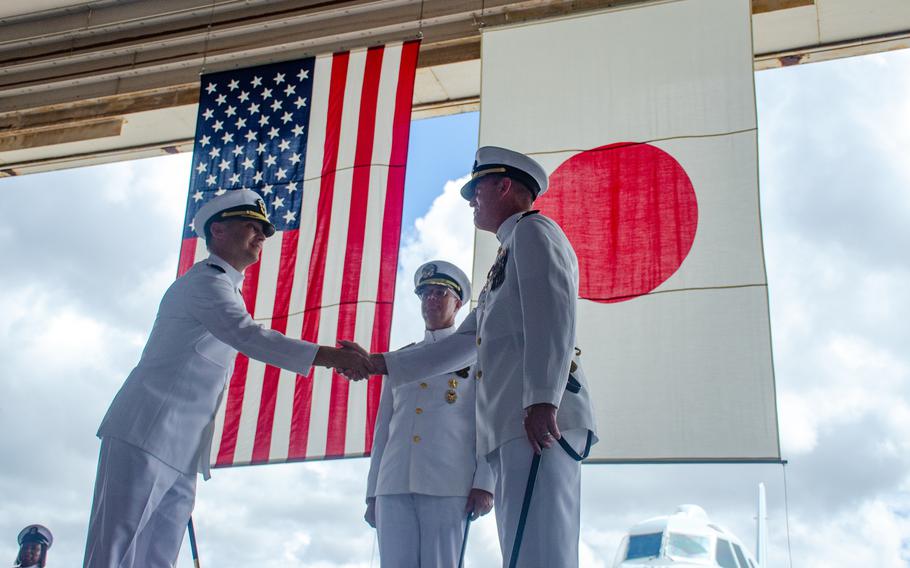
<point>688,546</point>
<point>644,546</point>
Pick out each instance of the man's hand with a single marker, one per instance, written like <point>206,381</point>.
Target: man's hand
<point>370,515</point>
<point>480,503</point>
<point>377,361</point>
<point>356,365</point>
<point>540,426</point>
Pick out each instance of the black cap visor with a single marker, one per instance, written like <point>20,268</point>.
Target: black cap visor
<point>468,189</point>
<point>243,212</point>
<point>441,280</point>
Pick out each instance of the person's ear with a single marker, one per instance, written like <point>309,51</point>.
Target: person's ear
<point>505,185</point>
<point>216,229</point>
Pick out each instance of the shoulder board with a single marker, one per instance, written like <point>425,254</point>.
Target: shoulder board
<point>528,213</point>
<point>218,268</point>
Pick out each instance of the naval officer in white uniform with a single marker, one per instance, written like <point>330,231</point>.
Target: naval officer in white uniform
<point>158,430</point>
<point>424,476</point>
<point>531,390</point>
<point>34,542</point>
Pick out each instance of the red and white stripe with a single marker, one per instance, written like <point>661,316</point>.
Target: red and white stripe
<point>335,277</point>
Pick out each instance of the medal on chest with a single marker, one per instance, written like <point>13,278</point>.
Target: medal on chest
<point>451,393</point>
<point>497,274</point>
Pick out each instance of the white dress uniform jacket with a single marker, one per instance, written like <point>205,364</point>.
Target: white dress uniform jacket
<point>168,403</point>
<point>424,444</point>
<point>524,332</point>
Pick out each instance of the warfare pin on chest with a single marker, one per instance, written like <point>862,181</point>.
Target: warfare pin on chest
<point>497,274</point>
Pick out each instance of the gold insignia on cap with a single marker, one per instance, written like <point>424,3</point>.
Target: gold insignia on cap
<point>451,396</point>
<point>428,271</point>
<point>453,383</point>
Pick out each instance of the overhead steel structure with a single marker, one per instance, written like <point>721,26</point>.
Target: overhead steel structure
<point>85,82</point>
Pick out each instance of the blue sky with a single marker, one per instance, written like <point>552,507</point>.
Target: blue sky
<point>440,149</point>
<point>90,251</point>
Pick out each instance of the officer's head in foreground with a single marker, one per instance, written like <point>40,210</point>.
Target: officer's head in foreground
<point>503,182</point>
<point>443,288</point>
<point>34,540</point>
<point>234,226</point>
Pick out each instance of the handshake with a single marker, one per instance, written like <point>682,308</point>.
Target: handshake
<point>351,360</point>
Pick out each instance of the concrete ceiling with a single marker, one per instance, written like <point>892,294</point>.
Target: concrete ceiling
<point>90,82</point>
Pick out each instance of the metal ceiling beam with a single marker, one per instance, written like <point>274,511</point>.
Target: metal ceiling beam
<point>79,71</point>
<point>134,46</point>
<point>105,49</point>
<point>762,6</point>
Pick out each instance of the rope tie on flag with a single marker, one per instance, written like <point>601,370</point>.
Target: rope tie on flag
<point>478,22</point>
<point>208,35</point>
<point>783,468</point>
<point>420,21</point>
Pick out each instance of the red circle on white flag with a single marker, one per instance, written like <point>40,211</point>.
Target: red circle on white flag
<point>630,212</point>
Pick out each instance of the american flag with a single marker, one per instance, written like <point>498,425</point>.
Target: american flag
<point>324,141</point>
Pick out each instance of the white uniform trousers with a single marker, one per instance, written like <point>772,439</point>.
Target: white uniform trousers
<point>140,509</point>
<point>552,526</point>
<point>419,531</point>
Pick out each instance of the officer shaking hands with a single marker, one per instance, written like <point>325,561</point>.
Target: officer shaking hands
<point>157,432</point>
<point>424,475</point>
<point>532,395</point>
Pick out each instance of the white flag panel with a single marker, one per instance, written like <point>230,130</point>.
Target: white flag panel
<point>675,69</point>
<point>681,369</point>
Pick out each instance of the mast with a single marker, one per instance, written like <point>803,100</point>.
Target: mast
<point>761,533</point>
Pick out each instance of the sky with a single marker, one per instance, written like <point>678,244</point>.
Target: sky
<point>90,251</point>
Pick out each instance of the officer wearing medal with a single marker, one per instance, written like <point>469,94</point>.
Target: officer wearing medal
<point>34,542</point>
<point>531,388</point>
<point>157,432</point>
<point>424,477</point>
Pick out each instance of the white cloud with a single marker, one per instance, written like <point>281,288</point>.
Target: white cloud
<point>847,366</point>
<point>798,424</point>
<point>445,232</point>
<point>164,185</point>
<point>67,338</point>
<point>872,535</point>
